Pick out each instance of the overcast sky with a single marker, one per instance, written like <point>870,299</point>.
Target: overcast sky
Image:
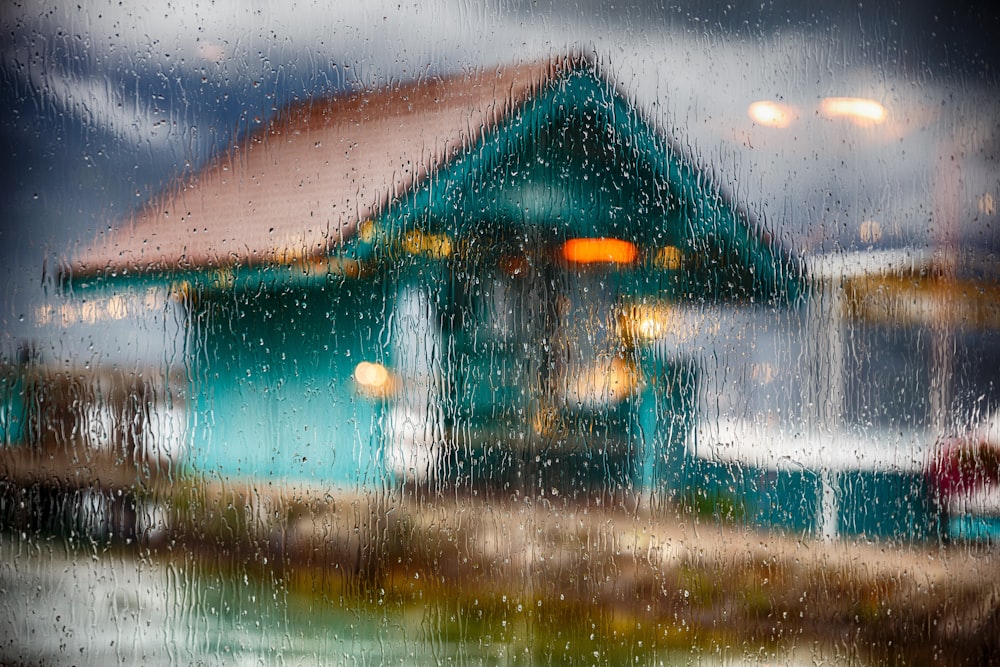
<point>103,103</point>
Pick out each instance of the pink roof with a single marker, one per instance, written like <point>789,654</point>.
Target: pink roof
<point>299,187</point>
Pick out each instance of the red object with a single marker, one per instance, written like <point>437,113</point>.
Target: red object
<point>963,464</point>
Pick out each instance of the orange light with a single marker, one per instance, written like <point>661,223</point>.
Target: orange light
<point>593,251</point>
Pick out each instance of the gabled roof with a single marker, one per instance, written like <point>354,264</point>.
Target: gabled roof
<point>299,187</point>
<point>295,191</point>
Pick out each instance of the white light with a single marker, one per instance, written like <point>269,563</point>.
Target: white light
<point>772,114</point>
<point>857,109</point>
<point>374,380</point>
<point>371,375</point>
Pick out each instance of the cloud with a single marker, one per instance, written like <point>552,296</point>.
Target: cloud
<point>820,179</point>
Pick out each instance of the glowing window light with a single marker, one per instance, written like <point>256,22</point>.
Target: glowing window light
<point>98,310</point>
<point>374,380</point>
<point>368,231</point>
<point>601,386</point>
<point>435,246</point>
<point>772,114</point>
<point>645,323</point>
<point>858,109</point>
<point>670,258</point>
<point>600,250</point>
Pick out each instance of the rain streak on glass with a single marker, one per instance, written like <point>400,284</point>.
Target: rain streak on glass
<point>523,333</point>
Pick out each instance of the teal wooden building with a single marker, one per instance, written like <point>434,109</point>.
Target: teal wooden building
<point>460,281</point>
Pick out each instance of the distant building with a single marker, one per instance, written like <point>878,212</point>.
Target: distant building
<point>381,283</point>
<point>509,277</point>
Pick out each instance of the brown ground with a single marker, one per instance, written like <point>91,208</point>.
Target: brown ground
<point>658,575</point>
<point>629,571</point>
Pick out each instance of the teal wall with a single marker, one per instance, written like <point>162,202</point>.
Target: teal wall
<point>873,504</point>
<point>272,395</point>
<point>12,408</point>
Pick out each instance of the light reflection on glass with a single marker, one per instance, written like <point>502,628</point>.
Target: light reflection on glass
<point>860,110</point>
<point>772,114</point>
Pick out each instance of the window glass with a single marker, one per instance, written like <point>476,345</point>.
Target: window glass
<point>499,333</point>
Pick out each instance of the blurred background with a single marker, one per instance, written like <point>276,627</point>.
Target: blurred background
<point>865,138</point>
